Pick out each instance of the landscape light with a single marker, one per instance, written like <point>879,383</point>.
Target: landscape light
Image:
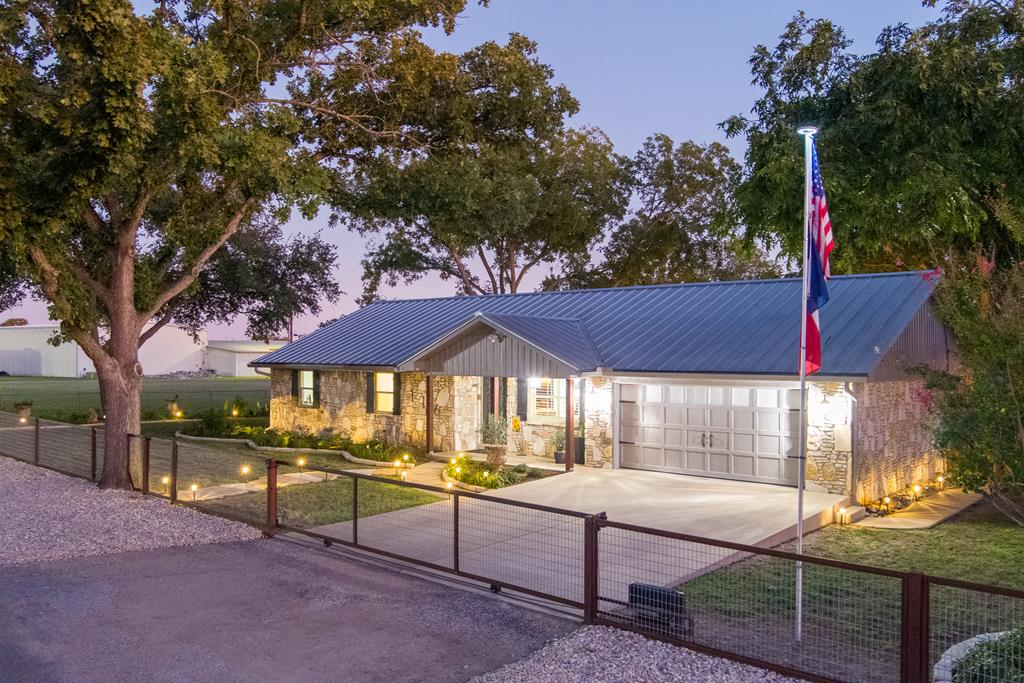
<point>234,412</point>
<point>405,457</point>
<point>178,413</point>
<point>22,419</point>
<point>449,484</point>
<point>887,500</point>
<point>403,476</point>
<point>452,461</point>
<point>917,488</point>
<point>301,462</point>
<point>941,479</point>
<point>194,488</point>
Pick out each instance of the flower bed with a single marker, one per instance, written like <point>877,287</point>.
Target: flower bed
<point>476,473</point>
<point>998,659</point>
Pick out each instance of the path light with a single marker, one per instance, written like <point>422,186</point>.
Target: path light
<point>165,481</point>
<point>403,476</point>
<point>398,463</point>
<point>245,472</point>
<point>194,487</point>
<point>406,457</point>
<point>178,413</point>
<point>452,461</point>
<point>458,470</point>
<point>301,462</point>
<point>842,516</point>
<point>234,412</point>
<point>941,479</point>
<point>917,490</point>
<point>22,419</point>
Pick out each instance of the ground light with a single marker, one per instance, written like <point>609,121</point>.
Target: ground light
<point>22,420</point>
<point>194,488</point>
<point>178,413</point>
<point>234,412</point>
<point>842,516</point>
<point>166,482</point>
<point>301,462</point>
<point>245,473</point>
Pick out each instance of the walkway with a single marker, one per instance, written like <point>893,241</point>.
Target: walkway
<point>924,513</point>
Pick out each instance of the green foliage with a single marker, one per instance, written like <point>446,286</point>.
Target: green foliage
<point>477,473</point>
<point>920,141</point>
<point>1001,659</point>
<point>558,440</point>
<point>495,430</point>
<point>685,225</point>
<point>980,414</point>
<point>505,184</point>
<point>239,407</point>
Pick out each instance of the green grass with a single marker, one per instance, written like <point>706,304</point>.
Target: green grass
<point>66,398</point>
<point>310,505</point>
<point>757,595</point>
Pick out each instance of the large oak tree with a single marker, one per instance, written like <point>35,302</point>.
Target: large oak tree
<point>135,146</point>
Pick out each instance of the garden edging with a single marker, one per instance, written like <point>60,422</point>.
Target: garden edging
<point>943,672</point>
<point>463,485</point>
<point>282,449</point>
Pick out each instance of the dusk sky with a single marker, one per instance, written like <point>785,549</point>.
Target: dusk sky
<point>636,67</point>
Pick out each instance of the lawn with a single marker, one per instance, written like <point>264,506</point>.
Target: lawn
<point>67,398</point>
<point>309,505</point>
<point>756,595</point>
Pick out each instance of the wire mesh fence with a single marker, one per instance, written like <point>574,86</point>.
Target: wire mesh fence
<point>80,406</point>
<point>854,623</point>
<point>975,635</point>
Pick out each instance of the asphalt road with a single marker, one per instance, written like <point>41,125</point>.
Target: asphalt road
<point>256,610</point>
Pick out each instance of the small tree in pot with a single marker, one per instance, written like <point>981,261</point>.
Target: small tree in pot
<point>495,433</point>
<point>558,441</point>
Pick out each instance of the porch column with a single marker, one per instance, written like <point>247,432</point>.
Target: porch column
<point>570,427</point>
<point>430,413</point>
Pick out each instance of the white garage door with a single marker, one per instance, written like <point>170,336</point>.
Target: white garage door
<point>732,432</point>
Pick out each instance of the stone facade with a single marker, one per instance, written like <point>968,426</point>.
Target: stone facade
<point>829,438</point>
<point>893,446</point>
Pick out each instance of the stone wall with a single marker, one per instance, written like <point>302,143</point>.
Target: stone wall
<point>893,438</point>
<point>829,438</point>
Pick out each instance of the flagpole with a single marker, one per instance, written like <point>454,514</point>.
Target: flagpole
<point>808,133</point>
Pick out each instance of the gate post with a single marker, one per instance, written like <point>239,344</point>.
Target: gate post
<point>92,454</point>
<point>35,450</point>
<point>455,532</point>
<point>173,492</point>
<point>590,576</point>
<point>145,464</point>
<point>914,629</point>
<point>271,496</point>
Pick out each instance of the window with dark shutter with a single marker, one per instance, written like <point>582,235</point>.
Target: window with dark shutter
<point>398,394</point>
<point>295,384</point>
<point>385,392</point>
<point>308,393</point>
<point>488,397</point>
<point>369,392</point>
<point>503,397</point>
<point>316,387</point>
<point>522,397</point>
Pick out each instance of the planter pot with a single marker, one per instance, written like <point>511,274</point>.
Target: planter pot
<point>560,457</point>
<point>496,454</point>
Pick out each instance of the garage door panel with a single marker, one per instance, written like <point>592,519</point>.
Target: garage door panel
<point>732,432</point>
<point>629,392</point>
<point>718,463</point>
<point>743,465</point>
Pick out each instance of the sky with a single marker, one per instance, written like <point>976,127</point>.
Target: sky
<point>659,66</point>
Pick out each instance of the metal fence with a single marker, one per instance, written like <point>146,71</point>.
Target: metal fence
<point>76,405</point>
<point>856,623</point>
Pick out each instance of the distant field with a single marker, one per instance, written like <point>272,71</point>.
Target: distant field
<point>65,398</point>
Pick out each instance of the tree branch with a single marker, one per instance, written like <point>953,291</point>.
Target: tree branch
<point>92,219</point>
<point>487,267</point>
<point>155,327</point>
<point>183,282</point>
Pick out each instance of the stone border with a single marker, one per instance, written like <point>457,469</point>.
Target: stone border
<point>943,671</point>
<point>463,485</point>
<point>298,451</point>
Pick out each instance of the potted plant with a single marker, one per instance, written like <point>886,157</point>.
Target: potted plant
<point>23,408</point>
<point>558,441</point>
<point>495,433</point>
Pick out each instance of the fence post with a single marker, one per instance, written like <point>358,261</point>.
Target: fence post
<point>355,510</point>
<point>455,531</point>
<point>590,554</point>
<point>914,629</point>
<point>145,464</point>
<point>35,450</point>
<point>173,492</point>
<point>92,454</point>
<point>271,496</point>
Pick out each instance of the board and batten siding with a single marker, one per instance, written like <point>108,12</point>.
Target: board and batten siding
<point>924,341</point>
<point>474,353</point>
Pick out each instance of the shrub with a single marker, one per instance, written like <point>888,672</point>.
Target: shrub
<point>476,473</point>
<point>1001,659</point>
<point>495,430</point>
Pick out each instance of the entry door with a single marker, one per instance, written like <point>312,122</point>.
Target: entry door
<point>733,432</point>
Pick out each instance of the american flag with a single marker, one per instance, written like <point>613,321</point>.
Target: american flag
<point>819,246</point>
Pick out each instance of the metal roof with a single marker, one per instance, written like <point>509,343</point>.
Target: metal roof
<point>740,327</point>
<point>244,345</point>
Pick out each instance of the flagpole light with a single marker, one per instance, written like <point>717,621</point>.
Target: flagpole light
<point>807,130</point>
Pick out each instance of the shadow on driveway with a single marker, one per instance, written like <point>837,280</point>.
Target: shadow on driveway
<point>258,610</point>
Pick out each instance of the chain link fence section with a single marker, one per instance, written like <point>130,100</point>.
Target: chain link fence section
<point>743,604</point>
<point>975,635</point>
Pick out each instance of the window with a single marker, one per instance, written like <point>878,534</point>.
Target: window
<point>546,401</point>
<point>384,392</point>
<point>307,388</point>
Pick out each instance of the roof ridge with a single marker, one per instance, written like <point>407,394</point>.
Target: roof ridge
<point>667,285</point>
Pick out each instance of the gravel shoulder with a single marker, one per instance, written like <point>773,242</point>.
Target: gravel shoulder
<point>599,654</point>
<point>51,516</point>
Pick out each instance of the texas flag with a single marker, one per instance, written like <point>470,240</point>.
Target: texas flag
<point>819,246</point>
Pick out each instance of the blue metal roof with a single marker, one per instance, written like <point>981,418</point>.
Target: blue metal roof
<point>740,327</point>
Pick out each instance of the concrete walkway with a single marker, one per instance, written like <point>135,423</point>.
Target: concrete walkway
<point>543,551</point>
<point>924,513</point>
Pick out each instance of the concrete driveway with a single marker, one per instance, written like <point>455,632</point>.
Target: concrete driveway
<point>543,551</point>
<point>252,611</point>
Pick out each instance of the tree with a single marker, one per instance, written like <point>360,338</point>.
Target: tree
<point>980,410</point>
<point>14,322</point>
<point>505,186</point>
<point>133,148</point>
<point>684,226</point>
<point>920,141</point>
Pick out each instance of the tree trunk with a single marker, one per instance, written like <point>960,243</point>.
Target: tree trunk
<point>120,388</point>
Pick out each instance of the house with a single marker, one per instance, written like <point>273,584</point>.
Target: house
<point>695,379</point>
<point>231,358</point>
<point>26,350</point>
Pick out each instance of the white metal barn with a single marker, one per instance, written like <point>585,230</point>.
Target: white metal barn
<point>26,351</point>
<point>231,358</point>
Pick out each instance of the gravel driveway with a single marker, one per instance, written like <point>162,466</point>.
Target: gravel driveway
<point>50,516</point>
<point>598,654</point>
